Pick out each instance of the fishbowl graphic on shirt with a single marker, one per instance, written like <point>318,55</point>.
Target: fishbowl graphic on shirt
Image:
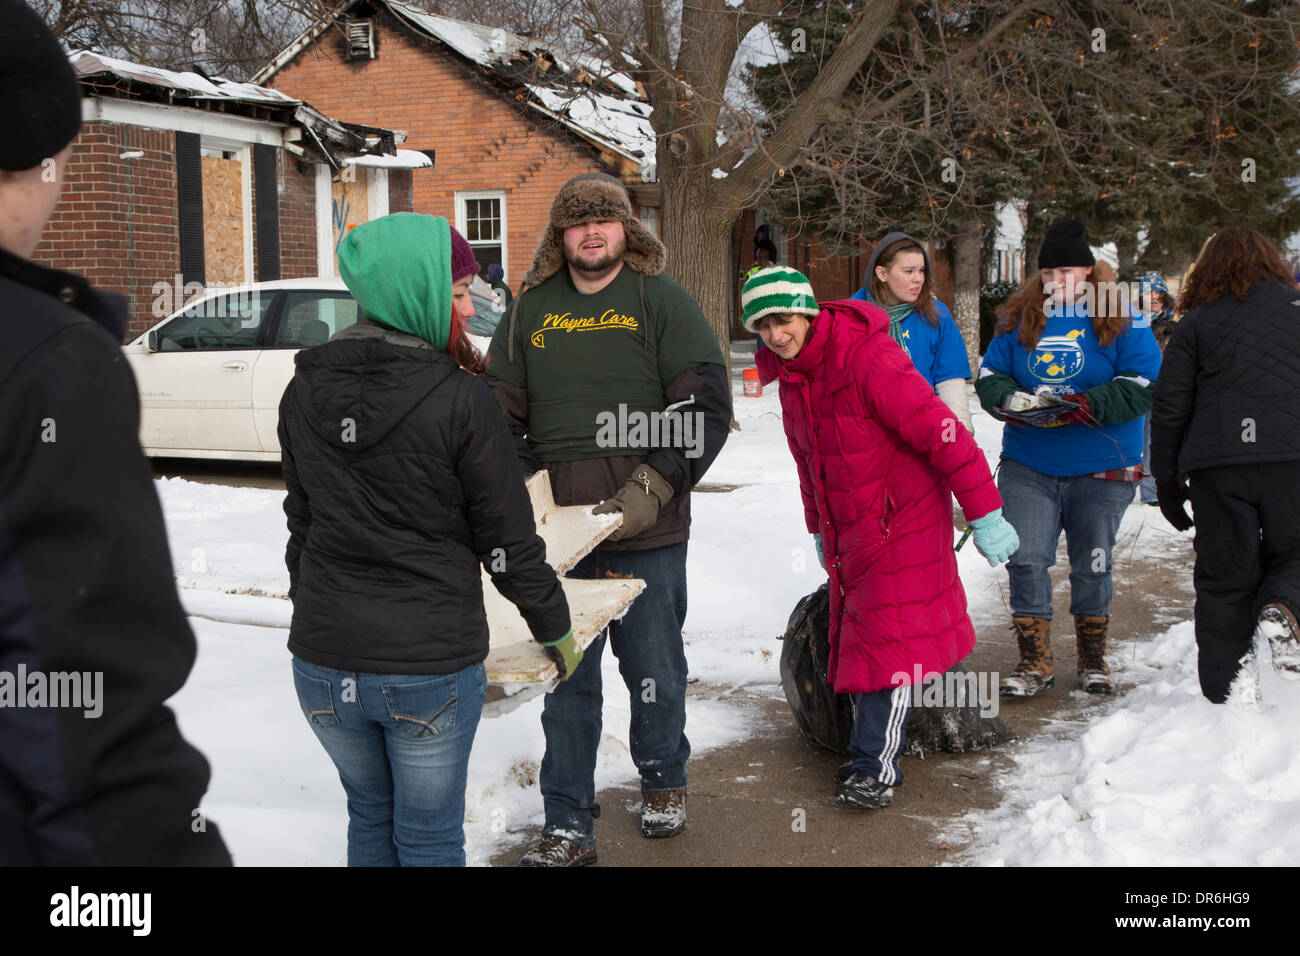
<point>1057,358</point>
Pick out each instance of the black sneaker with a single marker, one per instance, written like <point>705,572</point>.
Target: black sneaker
<point>663,813</point>
<point>861,792</point>
<point>555,850</point>
<point>843,772</point>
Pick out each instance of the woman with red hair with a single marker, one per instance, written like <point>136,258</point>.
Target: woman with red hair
<point>1225,415</point>
<point>1067,354</point>
<point>403,484</point>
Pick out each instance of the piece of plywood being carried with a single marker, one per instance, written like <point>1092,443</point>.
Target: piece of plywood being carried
<point>517,667</point>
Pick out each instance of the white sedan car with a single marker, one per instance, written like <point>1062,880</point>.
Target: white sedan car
<point>211,375</point>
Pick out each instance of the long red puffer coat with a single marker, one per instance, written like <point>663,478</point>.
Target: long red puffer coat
<point>878,453</point>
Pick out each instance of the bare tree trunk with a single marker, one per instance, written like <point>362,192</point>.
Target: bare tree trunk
<point>697,234</point>
<point>966,284</point>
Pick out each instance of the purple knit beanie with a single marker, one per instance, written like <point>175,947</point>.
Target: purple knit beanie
<point>462,257</point>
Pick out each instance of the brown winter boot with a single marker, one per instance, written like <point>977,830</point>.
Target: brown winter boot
<point>1033,674</point>
<point>1090,639</point>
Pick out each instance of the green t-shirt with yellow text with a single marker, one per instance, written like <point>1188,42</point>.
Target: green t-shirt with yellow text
<point>587,359</point>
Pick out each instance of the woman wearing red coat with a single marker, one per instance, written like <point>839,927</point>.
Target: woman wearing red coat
<point>878,454</point>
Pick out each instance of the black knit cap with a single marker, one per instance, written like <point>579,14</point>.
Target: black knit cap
<point>1065,245</point>
<point>40,98</point>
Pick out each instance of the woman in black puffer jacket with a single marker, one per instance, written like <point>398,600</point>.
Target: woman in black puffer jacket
<point>403,483</point>
<point>1227,414</point>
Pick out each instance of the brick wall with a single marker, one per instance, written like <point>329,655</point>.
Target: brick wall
<point>400,196</point>
<point>297,214</point>
<point>116,220</point>
<point>483,139</point>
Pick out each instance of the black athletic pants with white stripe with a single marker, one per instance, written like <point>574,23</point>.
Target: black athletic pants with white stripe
<point>879,732</point>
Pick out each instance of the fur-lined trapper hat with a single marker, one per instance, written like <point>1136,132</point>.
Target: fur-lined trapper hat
<point>594,197</point>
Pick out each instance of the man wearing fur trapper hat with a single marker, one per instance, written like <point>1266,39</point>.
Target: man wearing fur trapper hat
<point>98,775</point>
<point>613,381</point>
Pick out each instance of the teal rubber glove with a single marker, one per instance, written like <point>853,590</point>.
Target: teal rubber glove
<point>817,540</point>
<point>994,537</point>
<point>566,655</point>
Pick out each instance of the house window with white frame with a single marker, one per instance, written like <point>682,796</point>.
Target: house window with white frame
<point>650,219</point>
<point>481,219</point>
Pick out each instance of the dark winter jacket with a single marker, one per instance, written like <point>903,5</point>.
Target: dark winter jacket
<point>402,480</point>
<point>86,589</point>
<point>1228,388</point>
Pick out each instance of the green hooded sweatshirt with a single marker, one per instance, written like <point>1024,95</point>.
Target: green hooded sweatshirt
<point>398,268</point>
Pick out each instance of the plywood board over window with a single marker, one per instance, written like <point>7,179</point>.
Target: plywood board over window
<point>223,220</point>
<point>349,205</point>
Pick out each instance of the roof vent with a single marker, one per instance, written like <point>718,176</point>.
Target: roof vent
<point>361,39</point>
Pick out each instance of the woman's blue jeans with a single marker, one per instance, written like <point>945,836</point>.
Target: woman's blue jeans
<point>401,744</point>
<point>1040,507</point>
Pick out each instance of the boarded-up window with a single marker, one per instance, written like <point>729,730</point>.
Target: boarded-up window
<point>350,207</point>
<point>223,218</point>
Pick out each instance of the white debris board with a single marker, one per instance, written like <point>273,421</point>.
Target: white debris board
<point>570,533</point>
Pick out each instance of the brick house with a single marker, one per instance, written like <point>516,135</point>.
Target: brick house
<point>490,104</point>
<point>497,109</point>
<point>178,180</point>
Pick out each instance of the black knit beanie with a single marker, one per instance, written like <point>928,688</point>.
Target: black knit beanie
<point>1065,245</point>
<point>40,98</point>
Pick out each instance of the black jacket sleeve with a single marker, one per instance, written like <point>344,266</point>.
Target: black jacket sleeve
<point>297,508</point>
<point>1174,400</point>
<point>501,518</point>
<point>514,405</point>
<point>702,396</point>
<point>86,590</point>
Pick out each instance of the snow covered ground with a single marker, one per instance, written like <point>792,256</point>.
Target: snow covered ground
<point>1162,777</point>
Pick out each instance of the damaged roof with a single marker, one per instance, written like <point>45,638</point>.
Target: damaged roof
<point>589,97</point>
<point>333,141</point>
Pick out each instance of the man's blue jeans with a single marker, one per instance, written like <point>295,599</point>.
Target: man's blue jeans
<point>648,645</point>
<point>401,744</point>
<point>1040,507</point>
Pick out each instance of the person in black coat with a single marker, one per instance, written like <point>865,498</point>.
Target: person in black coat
<point>93,640</point>
<point>1225,414</point>
<point>402,484</point>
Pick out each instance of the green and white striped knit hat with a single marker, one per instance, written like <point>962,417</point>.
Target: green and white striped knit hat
<point>776,290</point>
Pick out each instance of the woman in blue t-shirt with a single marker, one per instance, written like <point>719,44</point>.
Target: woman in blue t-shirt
<point>900,282</point>
<point>1067,342</point>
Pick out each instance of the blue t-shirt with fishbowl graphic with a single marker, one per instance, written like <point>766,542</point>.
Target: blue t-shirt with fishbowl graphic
<point>1069,359</point>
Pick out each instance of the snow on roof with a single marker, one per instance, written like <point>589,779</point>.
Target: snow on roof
<point>405,159</point>
<point>192,85</point>
<point>619,122</point>
<point>494,45</point>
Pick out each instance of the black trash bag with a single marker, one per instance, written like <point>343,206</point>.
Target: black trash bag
<point>826,718</point>
<point>823,716</point>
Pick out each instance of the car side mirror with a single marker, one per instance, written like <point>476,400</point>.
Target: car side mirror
<point>151,340</point>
